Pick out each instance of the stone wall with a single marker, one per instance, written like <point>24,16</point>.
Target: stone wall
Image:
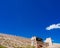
<point>37,42</point>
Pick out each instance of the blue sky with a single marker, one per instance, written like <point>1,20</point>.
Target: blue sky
<point>29,18</point>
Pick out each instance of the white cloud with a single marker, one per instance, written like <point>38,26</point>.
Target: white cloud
<point>53,26</point>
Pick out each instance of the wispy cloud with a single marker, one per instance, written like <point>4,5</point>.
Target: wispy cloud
<point>53,26</point>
